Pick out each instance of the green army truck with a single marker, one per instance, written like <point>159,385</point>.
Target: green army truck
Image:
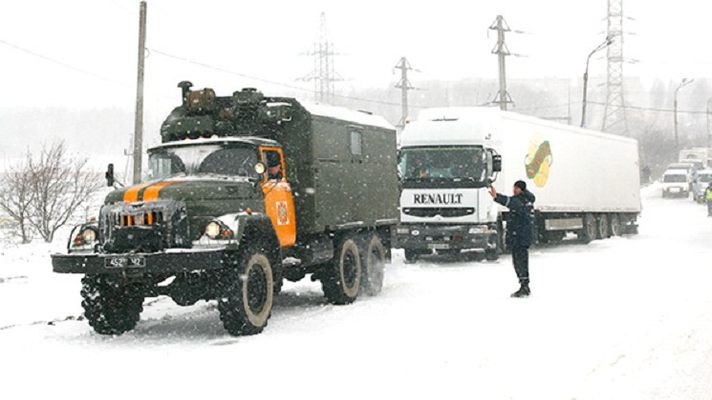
<point>243,192</point>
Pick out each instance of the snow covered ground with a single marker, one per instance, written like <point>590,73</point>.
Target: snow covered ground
<point>625,318</point>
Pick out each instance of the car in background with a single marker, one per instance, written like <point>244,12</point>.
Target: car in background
<point>699,184</point>
<point>676,183</point>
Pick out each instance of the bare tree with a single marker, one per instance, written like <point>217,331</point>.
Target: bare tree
<point>16,196</point>
<point>60,185</point>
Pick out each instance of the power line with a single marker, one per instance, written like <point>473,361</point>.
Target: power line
<point>269,81</point>
<point>61,63</point>
<point>654,109</point>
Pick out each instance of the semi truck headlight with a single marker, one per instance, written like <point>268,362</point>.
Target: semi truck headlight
<point>475,230</point>
<point>214,230</point>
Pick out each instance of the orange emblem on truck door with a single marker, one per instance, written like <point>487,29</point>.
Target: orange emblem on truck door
<point>279,203</point>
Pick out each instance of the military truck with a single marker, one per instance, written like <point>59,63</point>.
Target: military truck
<point>243,192</point>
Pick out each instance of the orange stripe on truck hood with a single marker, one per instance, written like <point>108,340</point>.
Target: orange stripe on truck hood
<point>131,193</point>
<point>152,192</point>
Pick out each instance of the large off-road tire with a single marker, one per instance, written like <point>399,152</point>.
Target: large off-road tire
<point>373,263</point>
<point>603,231</point>
<point>588,233</point>
<point>111,308</point>
<point>341,278</point>
<point>246,305</point>
<point>615,225</point>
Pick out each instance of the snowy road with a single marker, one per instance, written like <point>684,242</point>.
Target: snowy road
<point>624,318</point>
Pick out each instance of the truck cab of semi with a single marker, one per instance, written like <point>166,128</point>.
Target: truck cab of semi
<point>243,192</point>
<point>446,165</point>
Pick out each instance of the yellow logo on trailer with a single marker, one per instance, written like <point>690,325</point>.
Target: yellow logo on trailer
<point>538,162</point>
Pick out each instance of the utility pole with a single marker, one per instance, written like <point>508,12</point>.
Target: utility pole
<point>600,47</point>
<point>682,84</point>
<point>404,85</point>
<point>323,75</point>
<point>614,116</point>
<point>502,51</point>
<point>138,123</point>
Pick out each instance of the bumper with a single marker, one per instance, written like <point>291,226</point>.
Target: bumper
<point>444,237</point>
<point>149,263</point>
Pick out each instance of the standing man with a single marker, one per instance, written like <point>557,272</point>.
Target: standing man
<point>708,199</point>
<point>520,230</point>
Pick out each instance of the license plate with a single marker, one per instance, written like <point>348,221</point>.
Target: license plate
<point>438,246</point>
<point>674,190</point>
<point>125,262</point>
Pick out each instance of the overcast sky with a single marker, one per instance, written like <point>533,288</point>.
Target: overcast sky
<point>445,39</point>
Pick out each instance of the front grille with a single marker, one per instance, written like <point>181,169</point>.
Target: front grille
<point>144,227</point>
<point>425,212</point>
<point>145,218</point>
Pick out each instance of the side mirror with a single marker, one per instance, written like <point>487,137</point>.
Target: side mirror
<point>496,163</point>
<point>110,175</point>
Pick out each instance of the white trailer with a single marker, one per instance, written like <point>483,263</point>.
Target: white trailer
<point>586,182</point>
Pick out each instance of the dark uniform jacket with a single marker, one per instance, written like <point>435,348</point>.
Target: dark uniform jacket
<point>520,220</point>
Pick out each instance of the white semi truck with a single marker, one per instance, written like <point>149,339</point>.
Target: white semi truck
<point>585,182</point>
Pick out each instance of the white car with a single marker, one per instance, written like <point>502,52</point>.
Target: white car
<point>676,183</point>
<point>699,184</point>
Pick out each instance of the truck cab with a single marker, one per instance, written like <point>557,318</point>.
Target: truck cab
<point>445,168</point>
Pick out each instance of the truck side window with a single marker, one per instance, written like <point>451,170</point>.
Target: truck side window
<point>356,143</point>
<point>273,162</point>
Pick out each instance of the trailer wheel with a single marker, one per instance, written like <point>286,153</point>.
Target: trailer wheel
<point>411,256</point>
<point>588,233</point>
<point>247,302</point>
<point>341,280</point>
<point>111,307</point>
<point>603,227</point>
<point>615,222</point>
<point>373,261</point>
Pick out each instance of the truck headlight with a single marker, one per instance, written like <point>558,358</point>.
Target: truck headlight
<point>85,239</point>
<point>215,230</point>
<point>476,230</point>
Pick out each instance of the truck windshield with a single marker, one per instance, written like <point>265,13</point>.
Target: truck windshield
<point>674,178</point>
<point>202,160</point>
<point>451,164</point>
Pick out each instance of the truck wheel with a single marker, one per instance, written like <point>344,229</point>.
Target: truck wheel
<point>411,256</point>
<point>492,254</point>
<point>374,262</point>
<point>341,279</point>
<point>615,222</point>
<point>247,303</point>
<point>110,307</point>
<point>588,233</point>
<point>602,231</point>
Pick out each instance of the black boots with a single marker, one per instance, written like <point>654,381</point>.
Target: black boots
<point>523,291</point>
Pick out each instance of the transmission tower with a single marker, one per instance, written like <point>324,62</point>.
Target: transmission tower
<point>614,118</point>
<point>502,51</point>
<point>404,85</point>
<point>323,75</point>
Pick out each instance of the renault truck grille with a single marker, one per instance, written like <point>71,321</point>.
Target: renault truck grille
<point>425,212</point>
